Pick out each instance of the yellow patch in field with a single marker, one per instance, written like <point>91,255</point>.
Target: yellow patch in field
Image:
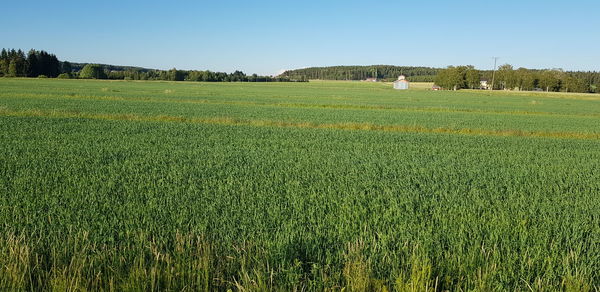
<point>283,124</point>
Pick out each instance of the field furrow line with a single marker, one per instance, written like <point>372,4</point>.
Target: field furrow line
<point>290,124</point>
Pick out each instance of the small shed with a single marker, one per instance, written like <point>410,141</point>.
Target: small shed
<point>483,84</point>
<point>401,83</point>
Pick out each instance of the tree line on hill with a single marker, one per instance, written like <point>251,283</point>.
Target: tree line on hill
<point>96,71</point>
<point>15,63</point>
<point>107,67</point>
<point>192,75</point>
<point>508,78</point>
<point>381,72</point>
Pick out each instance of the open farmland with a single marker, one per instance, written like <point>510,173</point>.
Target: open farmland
<point>296,186</point>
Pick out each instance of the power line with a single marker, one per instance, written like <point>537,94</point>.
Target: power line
<point>494,71</point>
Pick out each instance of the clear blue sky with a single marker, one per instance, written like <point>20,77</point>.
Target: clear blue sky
<point>267,36</point>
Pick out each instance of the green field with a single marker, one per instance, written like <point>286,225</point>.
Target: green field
<point>296,186</point>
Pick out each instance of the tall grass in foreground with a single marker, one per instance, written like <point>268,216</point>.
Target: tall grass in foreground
<point>267,208</point>
<point>188,262</point>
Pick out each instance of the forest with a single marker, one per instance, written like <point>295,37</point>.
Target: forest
<point>40,64</point>
<point>381,72</point>
<point>14,63</point>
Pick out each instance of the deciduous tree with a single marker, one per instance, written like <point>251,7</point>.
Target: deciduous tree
<point>92,71</point>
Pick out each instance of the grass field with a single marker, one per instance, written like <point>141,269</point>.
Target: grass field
<point>314,186</point>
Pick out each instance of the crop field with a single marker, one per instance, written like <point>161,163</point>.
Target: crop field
<point>319,186</point>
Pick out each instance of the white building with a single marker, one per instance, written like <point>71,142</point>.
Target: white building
<point>401,83</point>
<point>483,84</point>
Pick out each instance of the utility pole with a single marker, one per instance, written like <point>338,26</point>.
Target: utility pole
<point>494,72</point>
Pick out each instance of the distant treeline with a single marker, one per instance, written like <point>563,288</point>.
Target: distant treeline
<point>192,75</point>
<point>15,63</point>
<point>78,66</point>
<point>508,78</point>
<point>381,72</point>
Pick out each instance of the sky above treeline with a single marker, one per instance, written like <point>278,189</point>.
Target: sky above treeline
<point>266,37</point>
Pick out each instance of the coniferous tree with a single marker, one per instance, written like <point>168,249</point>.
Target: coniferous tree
<point>66,67</point>
<point>33,66</point>
<point>53,66</point>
